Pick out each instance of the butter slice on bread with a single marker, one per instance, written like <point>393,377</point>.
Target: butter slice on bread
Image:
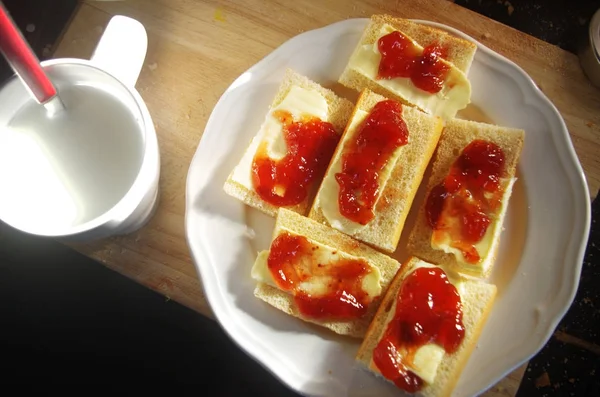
<point>239,182</point>
<point>477,299</point>
<point>397,189</point>
<point>459,52</point>
<point>456,135</point>
<point>362,67</point>
<point>291,222</point>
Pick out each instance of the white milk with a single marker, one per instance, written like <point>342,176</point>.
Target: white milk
<point>68,169</point>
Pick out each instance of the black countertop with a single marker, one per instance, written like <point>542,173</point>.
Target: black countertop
<point>65,319</point>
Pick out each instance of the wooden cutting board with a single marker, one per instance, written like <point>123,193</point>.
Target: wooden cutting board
<point>197,48</point>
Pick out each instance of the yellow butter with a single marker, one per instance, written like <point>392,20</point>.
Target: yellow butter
<point>299,102</point>
<point>317,285</point>
<point>455,94</point>
<point>426,362</point>
<point>260,271</point>
<point>488,243</point>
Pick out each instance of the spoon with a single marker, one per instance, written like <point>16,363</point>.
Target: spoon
<point>26,65</point>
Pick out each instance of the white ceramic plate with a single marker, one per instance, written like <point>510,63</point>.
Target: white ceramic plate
<point>541,253</point>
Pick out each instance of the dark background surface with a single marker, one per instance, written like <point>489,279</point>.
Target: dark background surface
<point>65,319</point>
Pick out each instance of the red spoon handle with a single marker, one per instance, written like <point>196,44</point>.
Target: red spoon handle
<point>22,59</point>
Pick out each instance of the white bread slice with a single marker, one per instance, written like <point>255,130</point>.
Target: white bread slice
<point>383,232</point>
<point>339,111</point>
<point>459,52</point>
<point>322,234</point>
<point>457,134</point>
<point>477,299</point>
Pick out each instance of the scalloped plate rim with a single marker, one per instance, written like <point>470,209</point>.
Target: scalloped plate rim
<point>577,180</point>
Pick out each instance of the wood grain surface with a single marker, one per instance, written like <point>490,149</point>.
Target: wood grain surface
<point>196,48</point>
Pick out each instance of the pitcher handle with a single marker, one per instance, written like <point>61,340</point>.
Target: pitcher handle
<point>122,49</point>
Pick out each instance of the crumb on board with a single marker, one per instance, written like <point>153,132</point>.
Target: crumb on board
<point>153,66</point>
<point>590,124</point>
<point>486,35</point>
<point>219,15</point>
<point>543,380</point>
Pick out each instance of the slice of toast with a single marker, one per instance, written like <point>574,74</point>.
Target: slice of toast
<point>361,70</point>
<point>239,183</point>
<point>477,299</point>
<point>456,135</point>
<point>459,52</point>
<point>396,193</point>
<point>297,224</point>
